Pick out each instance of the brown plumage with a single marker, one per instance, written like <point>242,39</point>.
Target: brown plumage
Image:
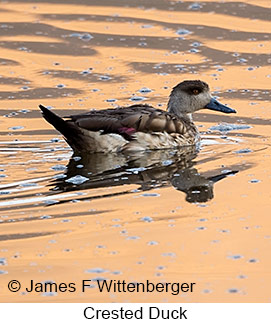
<point>139,117</point>
<point>138,127</point>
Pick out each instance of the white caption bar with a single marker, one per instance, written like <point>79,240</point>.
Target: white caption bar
<point>152,312</point>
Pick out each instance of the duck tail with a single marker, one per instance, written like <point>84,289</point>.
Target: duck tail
<point>67,129</point>
<point>54,120</point>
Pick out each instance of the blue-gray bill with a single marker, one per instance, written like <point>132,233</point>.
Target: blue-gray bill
<point>217,106</point>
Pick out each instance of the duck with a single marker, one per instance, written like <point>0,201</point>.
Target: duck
<point>138,127</point>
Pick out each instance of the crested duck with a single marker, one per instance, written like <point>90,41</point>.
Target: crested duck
<point>139,127</point>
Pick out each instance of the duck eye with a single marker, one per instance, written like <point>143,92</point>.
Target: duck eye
<point>195,91</point>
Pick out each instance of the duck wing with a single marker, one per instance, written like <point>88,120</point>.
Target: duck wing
<point>129,120</point>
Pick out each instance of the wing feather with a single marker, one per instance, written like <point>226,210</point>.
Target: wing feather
<point>142,118</point>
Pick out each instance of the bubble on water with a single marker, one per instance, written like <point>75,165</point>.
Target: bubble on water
<point>111,100</point>
<point>45,217</point>
<point>224,231</point>
<point>85,72</point>
<point>242,276</point>
<point>196,44</point>
<point>75,35</point>
<point>169,254</point>
<point>150,195</point>
<point>183,31</point>
<point>147,219</point>
<point>241,60</point>
<point>146,26</point>
<point>233,290</point>
<point>77,180</point>
<point>3,272</point>
<point>145,90</point>
<point>137,98</point>
<point>59,167</point>
<point>12,114</point>
<point>253,260</point>
<point>243,151</point>
<point>253,181</point>
<point>66,220</point>
<point>195,6</point>
<point>100,246</point>
<point>152,243</point>
<point>226,127</point>
<point>96,270</point>
<point>85,37</point>
<point>16,128</point>
<point>23,48</point>
<point>3,261</point>
<point>116,272</point>
<point>235,257</point>
<point>133,238</point>
<point>105,78</point>
<point>194,50</point>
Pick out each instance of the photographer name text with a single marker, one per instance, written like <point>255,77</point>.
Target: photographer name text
<point>104,286</point>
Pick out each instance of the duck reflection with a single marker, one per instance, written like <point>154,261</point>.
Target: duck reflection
<point>148,170</point>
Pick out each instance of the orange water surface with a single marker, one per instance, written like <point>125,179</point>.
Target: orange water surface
<point>166,217</point>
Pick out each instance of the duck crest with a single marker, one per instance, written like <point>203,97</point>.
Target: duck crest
<point>138,127</point>
<point>189,86</point>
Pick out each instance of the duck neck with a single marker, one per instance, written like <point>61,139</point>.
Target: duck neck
<point>175,109</point>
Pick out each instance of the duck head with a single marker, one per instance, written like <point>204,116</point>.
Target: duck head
<point>190,96</point>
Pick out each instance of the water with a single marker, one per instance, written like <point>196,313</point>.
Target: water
<point>66,218</point>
